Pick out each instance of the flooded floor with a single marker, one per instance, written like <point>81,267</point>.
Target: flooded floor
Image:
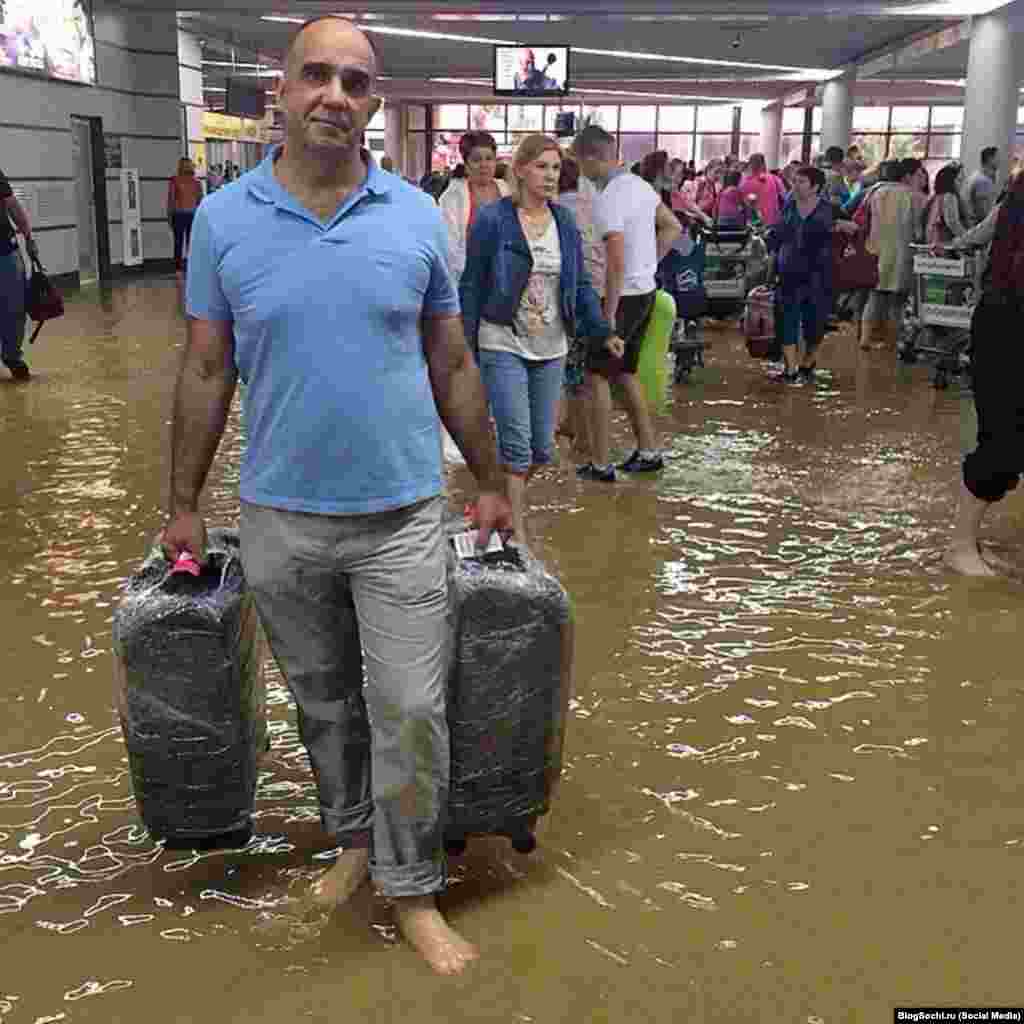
<point>791,783</point>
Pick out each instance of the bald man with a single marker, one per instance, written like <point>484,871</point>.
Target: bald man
<point>322,282</point>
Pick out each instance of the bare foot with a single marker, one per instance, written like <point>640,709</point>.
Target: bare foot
<point>966,559</point>
<point>339,882</point>
<point>429,934</point>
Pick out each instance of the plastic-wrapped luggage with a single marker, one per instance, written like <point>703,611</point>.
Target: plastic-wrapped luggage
<point>681,274</point>
<point>191,697</point>
<point>508,694</point>
<point>759,324</point>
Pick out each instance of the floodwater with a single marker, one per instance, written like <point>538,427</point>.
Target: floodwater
<point>791,783</point>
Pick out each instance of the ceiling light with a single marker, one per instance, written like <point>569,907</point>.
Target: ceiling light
<point>283,17</point>
<point>950,8</point>
<point>415,33</point>
<point>709,62</point>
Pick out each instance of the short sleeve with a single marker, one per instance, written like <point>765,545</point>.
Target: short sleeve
<point>204,297</point>
<point>609,216</point>
<point>5,187</point>
<point>441,298</point>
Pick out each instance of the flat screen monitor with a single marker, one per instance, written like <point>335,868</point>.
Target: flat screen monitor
<point>531,70</point>
<point>48,37</point>
<point>245,99</point>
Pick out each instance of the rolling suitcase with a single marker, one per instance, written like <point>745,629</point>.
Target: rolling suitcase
<point>189,655</point>
<point>759,324</point>
<point>508,693</point>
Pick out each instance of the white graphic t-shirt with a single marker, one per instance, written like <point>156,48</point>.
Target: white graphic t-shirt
<point>540,332</point>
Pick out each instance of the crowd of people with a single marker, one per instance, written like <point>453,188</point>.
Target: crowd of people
<point>357,310</point>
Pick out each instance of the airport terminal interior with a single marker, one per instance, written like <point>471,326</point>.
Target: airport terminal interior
<point>787,784</point>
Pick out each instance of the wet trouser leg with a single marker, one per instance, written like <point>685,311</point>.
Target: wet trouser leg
<point>324,586</point>
<point>997,367</point>
<point>12,307</point>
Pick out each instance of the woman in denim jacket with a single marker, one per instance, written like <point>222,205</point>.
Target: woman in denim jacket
<point>525,294</point>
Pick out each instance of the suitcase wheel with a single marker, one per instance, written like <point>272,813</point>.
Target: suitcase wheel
<point>524,843</point>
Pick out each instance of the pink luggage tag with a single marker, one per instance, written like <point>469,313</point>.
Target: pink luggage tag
<point>186,563</point>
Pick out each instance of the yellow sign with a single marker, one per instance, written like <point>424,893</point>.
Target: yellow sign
<point>223,126</point>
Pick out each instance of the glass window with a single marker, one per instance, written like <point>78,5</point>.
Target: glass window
<point>552,110</point>
<point>902,146</point>
<point>750,118</point>
<point>870,119</point>
<point>749,145</point>
<point>714,119</point>
<point>606,117</point>
<point>637,119</point>
<point>909,119</point>
<point>872,147</point>
<point>633,147</point>
<point>417,117</point>
<point>451,116</point>
<point>792,149</point>
<point>675,119</point>
<point>680,146</point>
<point>944,147</point>
<point>816,119</point>
<point>488,117</point>
<point>526,118</point>
<point>793,120</point>
<point>712,147</point>
<point>948,119</point>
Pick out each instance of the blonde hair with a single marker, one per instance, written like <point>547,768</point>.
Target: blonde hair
<point>527,151</point>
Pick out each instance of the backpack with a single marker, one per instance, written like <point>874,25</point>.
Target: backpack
<point>42,301</point>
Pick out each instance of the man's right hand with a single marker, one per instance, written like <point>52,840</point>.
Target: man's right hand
<point>185,531</point>
<point>616,346</point>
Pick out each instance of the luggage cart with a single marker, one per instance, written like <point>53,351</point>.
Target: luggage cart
<point>938,322</point>
<point>735,262</point>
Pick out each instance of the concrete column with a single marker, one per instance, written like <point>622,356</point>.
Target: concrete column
<point>394,134</point>
<point>836,114</point>
<point>771,134</point>
<point>990,107</point>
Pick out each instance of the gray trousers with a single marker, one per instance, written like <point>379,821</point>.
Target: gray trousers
<point>12,307</point>
<point>336,594</point>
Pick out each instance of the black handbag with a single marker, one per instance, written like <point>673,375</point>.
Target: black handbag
<point>42,300</point>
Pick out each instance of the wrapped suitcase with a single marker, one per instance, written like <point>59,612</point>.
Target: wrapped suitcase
<point>189,655</point>
<point>759,324</point>
<point>508,694</point>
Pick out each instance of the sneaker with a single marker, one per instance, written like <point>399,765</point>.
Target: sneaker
<point>635,464</point>
<point>794,379</point>
<point>807,372</point>
<point>691,330</point>
<point>19,370</point>
<point>591,472</point>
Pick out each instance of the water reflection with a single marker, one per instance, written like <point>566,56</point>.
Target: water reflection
<point>782,721</point>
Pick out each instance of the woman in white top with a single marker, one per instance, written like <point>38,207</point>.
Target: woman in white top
<point>472,186</point>
<point>525,292</point>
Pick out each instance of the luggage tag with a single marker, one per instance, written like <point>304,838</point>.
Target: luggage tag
<point>186,564</point>
<point>497,553</point>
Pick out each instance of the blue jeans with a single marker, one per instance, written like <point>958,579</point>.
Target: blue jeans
<point>12,307</point>
<point>523,394</point>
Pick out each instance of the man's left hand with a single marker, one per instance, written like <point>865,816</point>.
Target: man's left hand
<point>493,512</point>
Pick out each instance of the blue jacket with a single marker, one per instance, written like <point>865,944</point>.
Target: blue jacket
<point>498,267</point>
<point>804,247</point>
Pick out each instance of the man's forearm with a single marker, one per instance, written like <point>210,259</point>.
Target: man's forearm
<point>614,283</point>
<point>202,401</point>
<point>462,404</point>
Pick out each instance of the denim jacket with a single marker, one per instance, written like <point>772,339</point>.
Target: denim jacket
<point>498,267</point>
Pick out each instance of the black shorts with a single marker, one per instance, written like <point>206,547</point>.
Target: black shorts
<point>634,314</point>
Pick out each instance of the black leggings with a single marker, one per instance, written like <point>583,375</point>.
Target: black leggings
<point>182,221</point>
<point>997,365</point>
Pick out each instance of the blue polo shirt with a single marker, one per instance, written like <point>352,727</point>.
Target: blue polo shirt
<point>339,412</point>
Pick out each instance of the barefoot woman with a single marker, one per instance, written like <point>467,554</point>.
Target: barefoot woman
<point>997,364</point>
<point>323,284</point>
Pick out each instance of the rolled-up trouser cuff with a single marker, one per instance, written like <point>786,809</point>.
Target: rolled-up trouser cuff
<point>411,879</point>
<point>353,819</point>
